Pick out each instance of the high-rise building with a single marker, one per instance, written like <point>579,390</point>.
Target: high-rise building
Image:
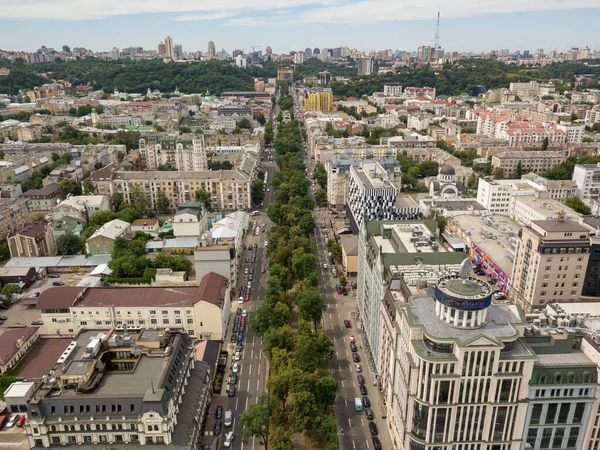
<point>320,99</point>
<point>424,54</point>
<point>365,65</point>
<point>268,51</point>
<point>114,53</point>
<point>308,52</point>
<point>169,50</point>
<point>162,50</point>
<point>324,78</point>
<point>212,51</point>
<point>316,51</point>
<point>66,49</point>
<point>177,51</point>
<point>185,153</point>
<point>285,74</point>
<point>299,58</point>
<point>550,262</point>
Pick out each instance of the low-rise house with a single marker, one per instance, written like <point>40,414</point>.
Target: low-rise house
<point>150,226</point>
<point>81,207</point>
<point>41,201</point>
<point>14,343</point>
<point>67,224</point>
<point>34,239</point>
<point>102,181</point>
<point>103,240</point>
<point>190,219</point>
<point>180,245</point>
<point>23,276</point>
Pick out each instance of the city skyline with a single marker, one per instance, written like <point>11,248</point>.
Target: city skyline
<point>293,28</point>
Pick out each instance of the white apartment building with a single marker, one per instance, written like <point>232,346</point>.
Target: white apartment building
<point>592,116</point>
<point>81,207</point>
<point>528,208</point>
<point>185,153</point>
<point>587,178</point>
<point>495,195</point>
<point>530,161</point>
<point>201,311</point>
<point>573,132</point>
<point>119,121</point>
<point>418,121</point>
<point>392,89</point>
<point>372,196</point>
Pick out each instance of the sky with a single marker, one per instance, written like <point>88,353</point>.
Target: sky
<point>465,26</point>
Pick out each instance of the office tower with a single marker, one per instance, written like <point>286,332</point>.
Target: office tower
<point>114,53</point>
<point>212,52</point>
<point>324,78</point>
<point>66,49</point>
<point>365,65</point>
<point>299,58</point>
<point>162,49</point>
<point>177,51</point>
<point>308,52</point>
<point>169,50</point>
<point>526,54</point>
<point>268,50</point>
<point>316,51</point>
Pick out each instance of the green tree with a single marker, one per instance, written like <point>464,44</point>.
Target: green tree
<point>9,291</point>
<point>139,199</point>
<point>557,173</point>
<point>177,263</point>
<point>69,244</point>
<point>326,391</point>
<point>257,192</point>
<point>305,414</point>
<point>88,186</point>
<point>473,181</point>
<point>429,168</point>
<point>311,305</point>
<point>577,205</point>
<point>245,123</point>
<point>278,337</point>
<point>120,246</point>
<point>574,117</point>
<point>255,421</point>
<point>327,430</point>
<point>281,439</point>
<point>185,129</point>
<point>498,173</point>
<point>321,197</point>
<point>5,381</point>
<point>115,201</point>
<point>128,213</point>
<point>204,197</point>
<point>260,118</point>
<point>162,202</point>
<point>4,251</point>
<point>545,143</point>
<point>438,216</point>
<point>2,155</point>
<point>167,168</point>
<point>519,171</point>
<point>99,218</point>
<point>68,186</point>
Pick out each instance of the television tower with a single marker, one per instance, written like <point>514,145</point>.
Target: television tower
<point>436,41</point>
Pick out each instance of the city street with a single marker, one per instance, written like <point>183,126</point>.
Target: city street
<point>353,427</point>
<point>253,364</point>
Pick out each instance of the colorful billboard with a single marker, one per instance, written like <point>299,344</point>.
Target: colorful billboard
<point>490,267</point>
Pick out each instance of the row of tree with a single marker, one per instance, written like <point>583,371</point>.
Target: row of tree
<point>300,390</point>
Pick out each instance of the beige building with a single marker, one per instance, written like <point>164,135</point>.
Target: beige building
<point>34,239</point>
<point>285,74</point>
<point>230,189</point>
<point>14,214</point>
<point>185,153</point>
<point>41,201</point>
<point>318,99</point>
<point>550,262</point>
<point>349,245</point>
<point>201,311</point>
<point>14,344</point>
<point>531,161</point>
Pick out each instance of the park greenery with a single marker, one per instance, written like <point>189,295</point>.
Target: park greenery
<point>301,392</point>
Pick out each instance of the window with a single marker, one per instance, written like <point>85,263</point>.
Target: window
<point>153,321</point>
<point>164,311</point>
<point>190,321</point>
<point>152,311</point>
<point>165,321</point>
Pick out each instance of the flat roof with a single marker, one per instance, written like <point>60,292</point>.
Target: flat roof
<point>574,358</point>
<point>18,389</point>
<point>501,321</point>
<point>496,248</point>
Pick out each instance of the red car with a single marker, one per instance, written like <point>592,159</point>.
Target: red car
<point>243,319</point>
<point>247,259</point>
<point>21,421</point>
<point>262,270</point>
<point>246,297</point>
<point>339,291</point>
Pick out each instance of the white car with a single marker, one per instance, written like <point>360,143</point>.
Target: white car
<point>241,299</point>
<point>324,266</point>
<point>236,368</point>
<point>228,440</point>
<point>356,366</point>
<point>244,313</point>
<point>266,243</point>
<point>238,356</point>
<point>246,271</point>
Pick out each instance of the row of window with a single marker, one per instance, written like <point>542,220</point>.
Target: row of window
<point>139,322</point>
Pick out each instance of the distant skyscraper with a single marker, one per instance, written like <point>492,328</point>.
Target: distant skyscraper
<point>212,51</point>
<point>324,78</point>
<point>66,49</point>
<point>268,50</point>
<point>365,65</point>
<point>114,53</point>
<point>526,54</point>
<point>169,50</point>
<point>308,52</point>
<point>177,51</point>
<point>299,58</point>
<point>161,49</point>
<point>316,51</point>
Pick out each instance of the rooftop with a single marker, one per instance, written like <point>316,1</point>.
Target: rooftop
<point>32,230</point>
<point>112,229</point>
<point>42,357</point>
<point>11,340</point>
<point>372,175</point>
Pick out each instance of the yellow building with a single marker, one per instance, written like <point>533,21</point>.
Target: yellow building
<point>318,100</point>
<point>285,74</point>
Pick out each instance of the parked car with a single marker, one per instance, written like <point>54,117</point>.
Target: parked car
<point>232,390</point>
<point>376,443</point>
<point>37,322</point>
<point>366,402</point>
<point>3,420</point>
<point>53,275</point>
<point>358,368</point>
<point>233,337</point>
<point>361,379</point>
<point>237,356</point>
<point>344,291</point>
<point>262,270</point>
<point>229,440</point>
<point>373,428</point>
<point>36,294</point>
<point>355,357</point>
<point>369,413</point>
<point>217,427</point>
<point>347,323</point>
<point>363,389</point>
<point>239,311</point>
<point>351,338</point>
<point>324,266</point>
<point>240,336</point>
<point>353,347</point>
<point>12,420</point>
<point>233,379</point>
<point>58,283</point>
<point>228,418</point>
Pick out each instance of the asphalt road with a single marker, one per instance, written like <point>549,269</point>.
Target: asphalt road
<point>252,365</point>
<point>353,426</point>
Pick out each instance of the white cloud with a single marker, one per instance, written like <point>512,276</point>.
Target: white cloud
<point>204,16</point>
<point>302,11</point>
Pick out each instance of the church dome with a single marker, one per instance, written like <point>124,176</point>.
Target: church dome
<point>447,170</point>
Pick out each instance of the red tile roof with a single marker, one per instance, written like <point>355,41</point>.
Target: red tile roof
<point>11,340</point>
<point>59,297</point>
<point>213,288</point>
